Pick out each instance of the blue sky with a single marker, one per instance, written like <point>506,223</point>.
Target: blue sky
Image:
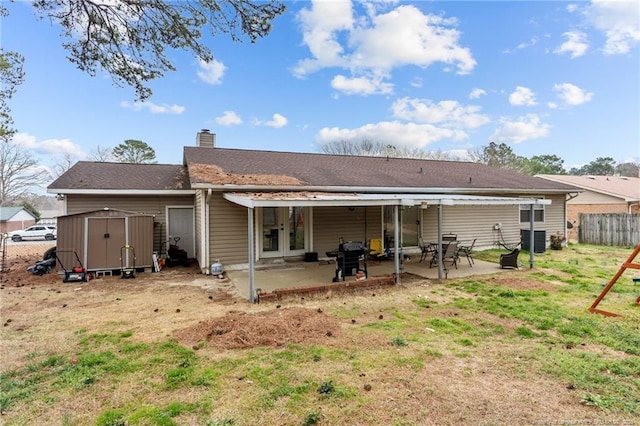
<point>544,77</point>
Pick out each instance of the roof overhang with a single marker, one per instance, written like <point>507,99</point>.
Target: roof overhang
<point>121,191</point>
<point>309,199</point>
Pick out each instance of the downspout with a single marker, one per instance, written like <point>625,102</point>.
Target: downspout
<point>205,241</point>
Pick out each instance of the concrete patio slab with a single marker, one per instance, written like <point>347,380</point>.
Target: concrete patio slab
<point>314,274</point>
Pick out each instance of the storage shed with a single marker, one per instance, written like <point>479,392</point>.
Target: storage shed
<point>98,238</point>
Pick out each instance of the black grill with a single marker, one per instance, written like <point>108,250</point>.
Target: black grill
<point>348,258</point>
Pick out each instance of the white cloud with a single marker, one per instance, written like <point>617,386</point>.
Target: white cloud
<point>277,121</point>
<point>576,44</point>
<point>153,108</point>
<point>405,134</point>
<point>320,27</point>
<point>572,8</point>
<point>211,72</point>
<point>48,147</point>
<point>522,96</point>
<point>375,44</point>
<point>361,85</point>
<point>446,113</point>
<point>571,94</point>
<point>619,21</point>
<point>532,42</point>
<point>416,82</point>
<point>476,93</point>
<point>521,129</point>
<point>229,118</point>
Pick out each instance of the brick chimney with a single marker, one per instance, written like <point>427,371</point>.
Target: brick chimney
<point>206,139</point>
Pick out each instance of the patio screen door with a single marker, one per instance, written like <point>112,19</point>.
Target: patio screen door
<point>283,231</point>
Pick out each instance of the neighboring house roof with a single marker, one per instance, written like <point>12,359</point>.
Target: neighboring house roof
<point>626,188</point>
<point>88,176</point>
<point>237,168</point>
<point>7,213</point>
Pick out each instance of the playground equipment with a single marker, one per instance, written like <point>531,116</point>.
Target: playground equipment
<point>628,264</point>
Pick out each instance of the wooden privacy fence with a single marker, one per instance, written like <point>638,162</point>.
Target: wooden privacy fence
<point>610,229</point>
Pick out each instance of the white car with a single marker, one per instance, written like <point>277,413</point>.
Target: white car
<point>35,232</point>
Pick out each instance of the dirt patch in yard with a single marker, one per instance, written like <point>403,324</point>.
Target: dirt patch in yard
<point>239,330</point>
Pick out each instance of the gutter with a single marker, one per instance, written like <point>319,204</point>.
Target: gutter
<point>121,191</point>
<point>374,189</point>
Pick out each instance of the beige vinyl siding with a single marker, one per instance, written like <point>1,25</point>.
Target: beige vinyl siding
<point>198,228</point>
<point>555,217</point>
<point>474,222</point>
<point>590,197</point>
<point>228,231</point>
<point>155,205</point>
<point>331,223</point>
<point>471,222</point>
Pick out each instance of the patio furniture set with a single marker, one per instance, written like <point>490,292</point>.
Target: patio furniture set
<point>453,250</point>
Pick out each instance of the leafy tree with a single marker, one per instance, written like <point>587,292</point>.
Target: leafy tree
<point>628,169</point>
<point>601,166</point>
<point>129,39</point>
<point>32,209</point>
<point>134,151</point>
<point>543,164</point>
<point>19,172</point>
<point>11,75</point>
<point>499,156</point>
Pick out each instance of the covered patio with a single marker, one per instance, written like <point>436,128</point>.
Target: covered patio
<point>252,281</point>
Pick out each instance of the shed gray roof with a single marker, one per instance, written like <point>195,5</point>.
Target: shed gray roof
<point>90,175</point>
<point>7,213</point>
<point>217,167</point>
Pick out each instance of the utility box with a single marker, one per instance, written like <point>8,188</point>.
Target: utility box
<point>539,240</point>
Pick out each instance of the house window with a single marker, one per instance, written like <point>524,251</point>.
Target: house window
<point>525,213</point>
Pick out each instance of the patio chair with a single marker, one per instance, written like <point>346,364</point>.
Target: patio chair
<point>425,249</point>
<point>467,252</point>
<point>449,254</point>
<point>510,260</point>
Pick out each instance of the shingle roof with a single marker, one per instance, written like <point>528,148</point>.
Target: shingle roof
<point>219,166</point>
<point>620,186</point>
<point>7,213</point>
<point>123,176</point>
